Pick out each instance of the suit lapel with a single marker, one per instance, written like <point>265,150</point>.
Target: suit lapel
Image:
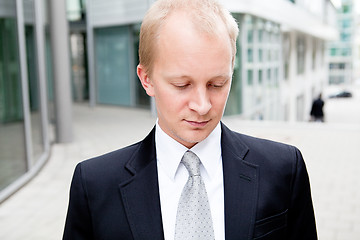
<point>240,187</point>
<point>140,193</point>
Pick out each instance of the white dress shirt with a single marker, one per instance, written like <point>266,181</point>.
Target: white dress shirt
<point>173,176</point>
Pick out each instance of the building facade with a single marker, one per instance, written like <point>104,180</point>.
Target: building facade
<point>280,64</point>
<point>343,52</point>
<point>280,67</point>
<point>24,123</point>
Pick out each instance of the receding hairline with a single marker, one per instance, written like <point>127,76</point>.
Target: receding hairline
<point>210,22</point>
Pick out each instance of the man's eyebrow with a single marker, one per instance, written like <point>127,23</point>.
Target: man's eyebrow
<point>186,77</point>
<point>176,76</point>
<point>222,76</point>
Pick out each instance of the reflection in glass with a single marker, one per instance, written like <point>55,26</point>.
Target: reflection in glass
<point>12,143</point>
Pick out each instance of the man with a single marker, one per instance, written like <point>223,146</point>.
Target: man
<point>317,113</point>
<point>244,188</point>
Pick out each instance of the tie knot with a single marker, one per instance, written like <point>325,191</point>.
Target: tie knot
<point>192,163</point>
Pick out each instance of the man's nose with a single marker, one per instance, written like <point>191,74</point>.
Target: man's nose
<point>200,102</point>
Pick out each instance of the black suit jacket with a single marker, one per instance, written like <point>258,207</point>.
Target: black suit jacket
<point>266,188</point>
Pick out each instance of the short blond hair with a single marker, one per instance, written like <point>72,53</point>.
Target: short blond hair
<point>205,15</point>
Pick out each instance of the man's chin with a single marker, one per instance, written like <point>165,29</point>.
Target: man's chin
<point>194,139</point>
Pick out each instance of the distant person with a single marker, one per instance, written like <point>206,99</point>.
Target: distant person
<point>317,113</point>
<point>191,177</point>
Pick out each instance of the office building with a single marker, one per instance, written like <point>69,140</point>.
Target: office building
<point>280,67</point>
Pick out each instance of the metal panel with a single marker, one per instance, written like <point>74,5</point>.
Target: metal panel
<point>116,12</point>
<point>7,8</point>
<point>112,65</point>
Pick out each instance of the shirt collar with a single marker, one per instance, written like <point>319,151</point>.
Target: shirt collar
<point>208,150</point>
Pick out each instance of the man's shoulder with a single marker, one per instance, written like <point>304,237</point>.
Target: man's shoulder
<point>260,150</point>
<point>116,159</point>
<point>253,141</point>
<point>122,156</point>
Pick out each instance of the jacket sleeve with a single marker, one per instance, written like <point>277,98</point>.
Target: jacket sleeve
<point>301,220</point>
<point>78,224</point>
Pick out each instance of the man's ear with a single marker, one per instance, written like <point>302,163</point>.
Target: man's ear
<point>145,80</point>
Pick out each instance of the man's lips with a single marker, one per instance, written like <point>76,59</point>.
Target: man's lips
<point>197,123</point>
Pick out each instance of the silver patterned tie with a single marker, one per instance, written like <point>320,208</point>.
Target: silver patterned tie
<point>193,219</point>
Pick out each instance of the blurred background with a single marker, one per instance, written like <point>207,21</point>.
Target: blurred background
<point>69,91</point>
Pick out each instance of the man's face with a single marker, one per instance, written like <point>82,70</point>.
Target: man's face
<point>190,80</point>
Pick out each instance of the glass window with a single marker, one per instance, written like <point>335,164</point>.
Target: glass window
<point>269,75</point>
<point>345,37</point>
<point>313,55</point>
<point>12,159</point>
<point>78,60</point>
<point>346,8</point>
<point>235,100</point>
<point>250,55</point>
<point>260,29</point>
<point>250,36</point>
<point>333,51</point>
<point>286,54</point>
<point>260,35</point>
<point>250,77</point>
<point>301,50</point>
<point>75,9</point>
<point>346,52</point>
<point>260,76</point>
<point>346,23</point>
<point>142,99</point>
<point>112,49</point>
<point>322,48</point>
<point>36,123</point>
<point>250,28</point>
<point>269,55</point>
<point>260,55</point>
<point>286,70</point>
<point>33,81</point>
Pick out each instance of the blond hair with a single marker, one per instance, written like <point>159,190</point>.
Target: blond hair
<point>205,15</point>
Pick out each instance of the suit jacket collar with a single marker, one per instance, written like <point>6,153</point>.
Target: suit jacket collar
<point>240,187</point>
<point>140,193</point>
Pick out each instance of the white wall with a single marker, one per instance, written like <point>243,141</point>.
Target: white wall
<point>303,87</point>
<point>292,16</point>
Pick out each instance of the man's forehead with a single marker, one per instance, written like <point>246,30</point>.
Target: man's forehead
<point>181,18</point>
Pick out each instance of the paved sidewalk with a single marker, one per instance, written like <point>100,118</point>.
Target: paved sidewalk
<point>37,211</point>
